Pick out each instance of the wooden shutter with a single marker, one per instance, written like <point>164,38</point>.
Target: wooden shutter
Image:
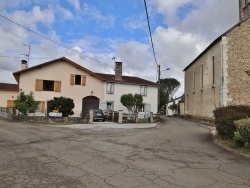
<point>10,104</point>
<point>42,106</point>
<point>57,86</point>
<point>84,80</point>
<point>72,79</point>
<point>39,85</point>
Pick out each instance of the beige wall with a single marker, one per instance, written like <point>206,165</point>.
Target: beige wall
<point>61,71</point>
<point>7,95</point>
<point>238,63</point>
<point>201,94</point>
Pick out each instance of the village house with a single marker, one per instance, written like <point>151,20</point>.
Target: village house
<point>218,76</point>
<point>89,90</point>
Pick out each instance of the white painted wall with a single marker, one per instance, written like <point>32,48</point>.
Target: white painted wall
<point>120,89</point>
<point>61,71</point>
<point>7,95</point>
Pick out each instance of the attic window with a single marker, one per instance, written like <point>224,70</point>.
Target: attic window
<point>78,79</point>
<point>48,85</point>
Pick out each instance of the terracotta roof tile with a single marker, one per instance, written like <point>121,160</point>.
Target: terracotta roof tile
<point>126,79</point>
<point>8,87</point>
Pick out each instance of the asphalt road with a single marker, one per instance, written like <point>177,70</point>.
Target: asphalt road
<point>178,153</point>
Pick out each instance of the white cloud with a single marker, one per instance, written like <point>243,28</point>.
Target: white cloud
<point>75,3</point>
<point>31,18</point>
<point>63,13</point>
<point>135,22</point>
<point>91,13</point>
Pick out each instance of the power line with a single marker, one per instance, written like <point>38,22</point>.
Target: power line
<point>52,40</point>
<point>150,32</point>
<point>5,56</point>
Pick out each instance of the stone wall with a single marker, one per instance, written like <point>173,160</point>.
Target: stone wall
<point>45,120</point>
<point>239,62</point>
<point>203,83</point>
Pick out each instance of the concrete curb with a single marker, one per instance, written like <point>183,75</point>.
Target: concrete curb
<point>217,142</point>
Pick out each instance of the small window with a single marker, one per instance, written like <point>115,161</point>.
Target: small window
<point>78,79</point>
<point>202,76</point>
<point>143,90</point>
<point>213,76</point>
<point>109,106</point>
<point>194,81</point>
<point>110,88</point>
<point>48,85</point>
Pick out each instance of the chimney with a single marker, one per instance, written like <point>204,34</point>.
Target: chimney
<point>24,64</point>
<point>118,71</point>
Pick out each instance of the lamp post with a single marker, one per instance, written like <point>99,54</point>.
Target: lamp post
<point>159,83</point>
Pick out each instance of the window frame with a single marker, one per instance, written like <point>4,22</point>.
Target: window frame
<point>144,87</point>
<point>110,88</point>
<point>46,85</point>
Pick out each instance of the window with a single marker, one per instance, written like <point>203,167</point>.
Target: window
<point>202,77</point>
<point>110,88</point>
<point>213,69</point>
<point>48,85</point>
<point>194,81</point>
<point>78,79</point>
<point>141,109</point>
<point>109,106</point>
<point>143,90</point>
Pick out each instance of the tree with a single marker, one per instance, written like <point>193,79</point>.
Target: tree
<point>25,103</point>
<point>63,105</point>
<point>132,102</point>
<point>168,87</point>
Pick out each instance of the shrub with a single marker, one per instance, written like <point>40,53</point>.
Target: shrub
<point>225,117</point>
<point>243,127</point>
<point>238,139</point>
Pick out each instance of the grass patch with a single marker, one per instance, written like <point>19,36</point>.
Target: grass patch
<point>231,144</point>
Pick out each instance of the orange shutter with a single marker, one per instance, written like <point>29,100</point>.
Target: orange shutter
<point>84,80</point>
<point>57,86</point>
<point>72,79</point>
<point>10,104</point>
<point>42,106</point>
<point>39,85</point>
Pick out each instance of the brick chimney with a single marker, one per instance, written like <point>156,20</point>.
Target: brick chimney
<point>118,70</point>
<point>24,64</point>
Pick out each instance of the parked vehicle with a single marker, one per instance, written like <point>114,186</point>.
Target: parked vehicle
<point>98,115</point>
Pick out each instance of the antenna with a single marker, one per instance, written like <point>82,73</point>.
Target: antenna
<point>27,54</point>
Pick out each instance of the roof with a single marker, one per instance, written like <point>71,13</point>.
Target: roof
<point>101,76</point>
<point>17,74</point>
<point>214,42</point>
<point>126,79</point>
<point>9,87</point>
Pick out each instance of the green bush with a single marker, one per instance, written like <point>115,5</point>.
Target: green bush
<point>243,127</point>
<point>238,139</point>
<point>225,117</point>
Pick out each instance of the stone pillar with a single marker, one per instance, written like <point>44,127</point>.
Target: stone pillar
<point>151,117</point>
<point>120,116</point>
<point>91,116</point>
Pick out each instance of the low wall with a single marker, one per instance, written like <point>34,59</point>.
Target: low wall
<point>43,119</point>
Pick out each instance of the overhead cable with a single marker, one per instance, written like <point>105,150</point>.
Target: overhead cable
<point>52,40</point>
<point>150,32</point>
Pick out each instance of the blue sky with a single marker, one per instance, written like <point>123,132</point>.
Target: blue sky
<point>102,29</point>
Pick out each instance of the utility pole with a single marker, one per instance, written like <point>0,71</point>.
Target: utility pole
<point>159,85</point>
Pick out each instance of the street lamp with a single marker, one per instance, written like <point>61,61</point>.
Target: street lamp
<point>159,83</point>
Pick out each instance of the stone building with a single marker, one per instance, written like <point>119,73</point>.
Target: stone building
<point>217,77</point>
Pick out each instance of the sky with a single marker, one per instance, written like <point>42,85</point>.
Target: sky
<point>92,32</point>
